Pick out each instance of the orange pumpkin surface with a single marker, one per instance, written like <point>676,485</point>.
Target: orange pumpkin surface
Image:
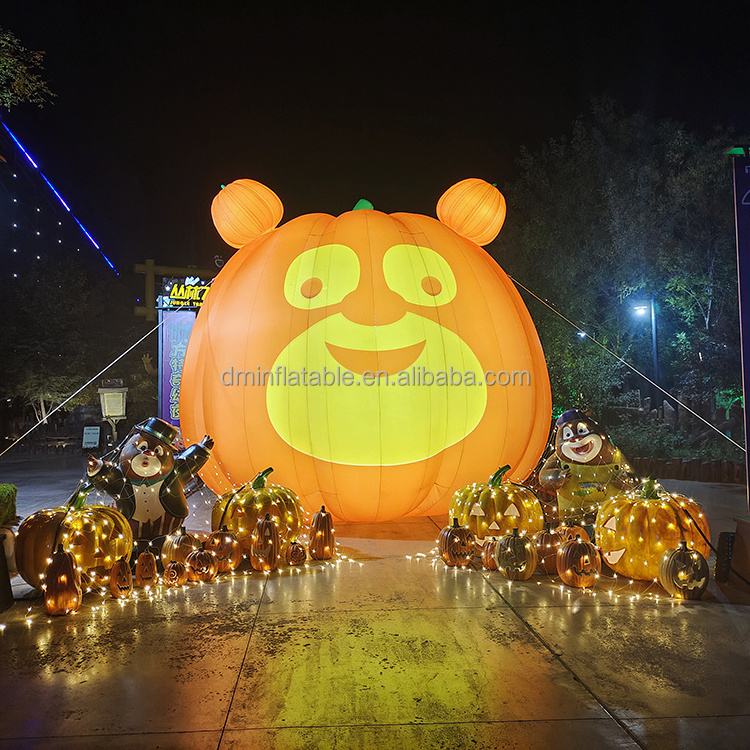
<point>635,529</point>
<point>62,584</point>
<point>304,312</point>
<point>121,579</point>
<point>176,574</point>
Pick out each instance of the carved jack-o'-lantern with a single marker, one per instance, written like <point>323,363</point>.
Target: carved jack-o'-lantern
<point>515,556</point>
<point>683,572</point>
<point>570,532</point>
<point>497,507</point>
<point>239,510</point>
<point>178,546</point>
<point>146,574</point>
<point>94,534</point>
<point>547,544</point>
<point>322,535</point>
<point>62,584</point>
<point>295,554</point>
<point>227,549</point>
<point>578,563</point>
<point>121,579</point>
<point>175,574</point>
<point>456,545</point>
<point>488,554</point>
<point>201,566</point>
<point>405,305</point>
<point>634,529</point>
<point>265,547</point>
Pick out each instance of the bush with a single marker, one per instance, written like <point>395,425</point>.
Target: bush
<point>650,440</point>
<point>7,503</point>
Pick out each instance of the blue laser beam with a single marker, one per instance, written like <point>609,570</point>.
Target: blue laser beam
<point>60,198</point>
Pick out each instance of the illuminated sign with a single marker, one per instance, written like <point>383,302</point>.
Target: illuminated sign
<point>187,293</point>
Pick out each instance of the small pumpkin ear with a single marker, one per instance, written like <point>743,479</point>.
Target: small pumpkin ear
<point>245,210</point>
<point>473,208</point>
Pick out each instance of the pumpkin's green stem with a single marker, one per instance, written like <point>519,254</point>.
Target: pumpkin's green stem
<point>497,478</point>
<point>78,499</point>
<point>361,204</point>
<point>260,481</point>
<point>649,489</point>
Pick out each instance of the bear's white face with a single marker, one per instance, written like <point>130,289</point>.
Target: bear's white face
<point>144,457</point>
<point>578,443</point>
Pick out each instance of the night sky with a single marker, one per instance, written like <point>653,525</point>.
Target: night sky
<point>158,104</point>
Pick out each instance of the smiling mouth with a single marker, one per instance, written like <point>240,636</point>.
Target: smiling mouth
<point>391,361</point>
<point>581,449</point>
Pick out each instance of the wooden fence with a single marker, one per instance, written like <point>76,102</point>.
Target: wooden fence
<point>692,469</point>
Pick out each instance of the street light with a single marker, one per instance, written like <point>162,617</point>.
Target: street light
<point>112,399</point>
<point>641,309</point>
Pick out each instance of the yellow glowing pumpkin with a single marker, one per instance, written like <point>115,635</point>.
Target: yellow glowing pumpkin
<point>635,529</point>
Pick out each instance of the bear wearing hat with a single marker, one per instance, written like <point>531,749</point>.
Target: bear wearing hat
<point>585,469</point>
<point>148,479</point>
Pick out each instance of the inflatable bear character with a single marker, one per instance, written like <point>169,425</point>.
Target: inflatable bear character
<point>148,479</point>
<point>585,469</point>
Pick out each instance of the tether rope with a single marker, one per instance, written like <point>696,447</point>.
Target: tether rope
<point>627,364</point>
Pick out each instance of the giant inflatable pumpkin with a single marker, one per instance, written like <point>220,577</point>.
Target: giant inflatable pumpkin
<point>378,361</point>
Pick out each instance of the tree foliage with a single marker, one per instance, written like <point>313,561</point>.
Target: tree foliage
<point>620,210</point>
<point>20,73</point>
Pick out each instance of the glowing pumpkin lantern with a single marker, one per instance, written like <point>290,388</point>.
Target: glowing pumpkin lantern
<point>516,556</point>
<point>497,507</point>
<point>379,361</point>
<point>636,528</point>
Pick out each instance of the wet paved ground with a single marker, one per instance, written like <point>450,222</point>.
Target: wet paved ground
<point>384,648</point>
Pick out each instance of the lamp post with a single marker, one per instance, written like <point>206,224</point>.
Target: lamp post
<point>113,399</point>
<point>642,309</point>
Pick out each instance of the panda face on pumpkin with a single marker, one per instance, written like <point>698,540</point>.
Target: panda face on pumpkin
<point>375,309</point>
<point>309,344</point>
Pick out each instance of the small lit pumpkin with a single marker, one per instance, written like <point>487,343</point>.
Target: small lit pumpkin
<point>322,535</point>
<point>496,507</point>
<point>146,574</point>
<point>95,534</point>
<point>295,554</point>
<point>62,584</point>
<point>488,554</point>
<point>634,529</point>
<point>683,572</point>
<point>201,565</point>
<point>360,292</point>
<point>569,532</point>
<point>456,545</point>
<point>241,509</point>
<point>175,574</point>
<point>547,544</point>
<point>516,557</point>
<point>178,546</point>
<point>121,579</point>
<point>578,563</point>
<point>265,546</point>
<point>224,544</point>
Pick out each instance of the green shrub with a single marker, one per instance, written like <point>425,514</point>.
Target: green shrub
<point>8,503</point>
<point>649,440</point>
